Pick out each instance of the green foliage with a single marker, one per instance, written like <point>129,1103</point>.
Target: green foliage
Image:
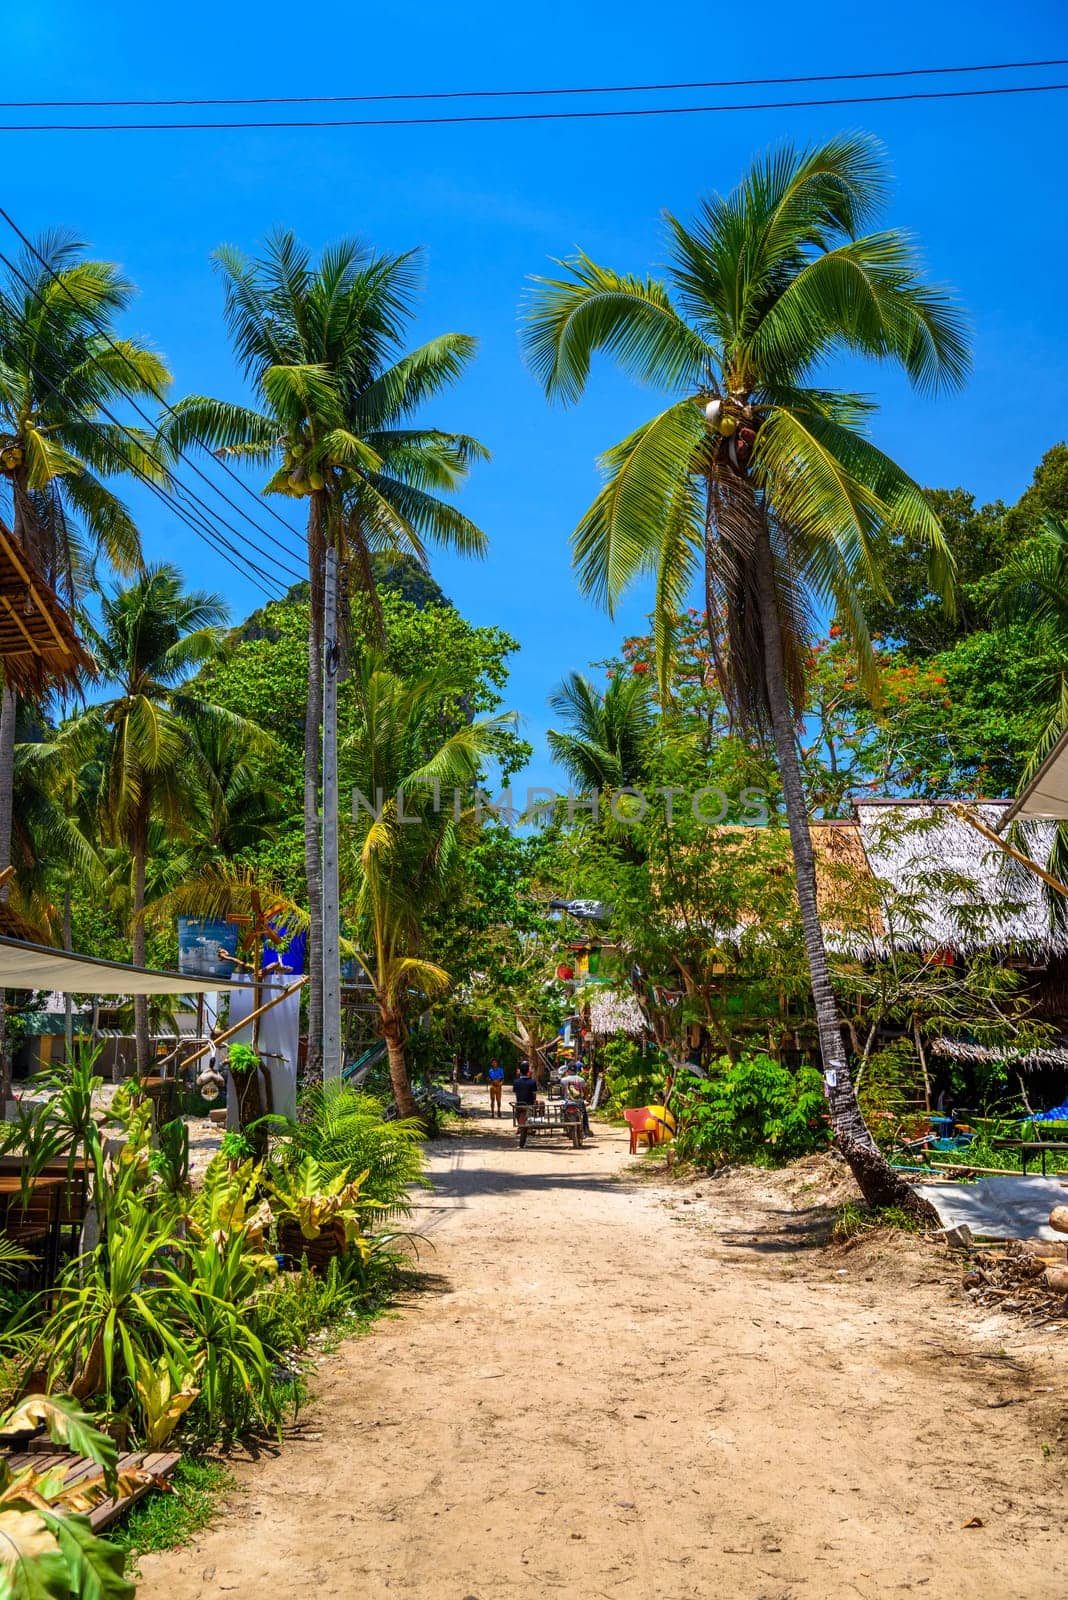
<point>48,1550</point>
<point>891,1078</point>
<point>634,1075</point>
<point>343,1131</point>
<point>168,1521</point>
<point>750,1110</point>
<point>855,1219</point>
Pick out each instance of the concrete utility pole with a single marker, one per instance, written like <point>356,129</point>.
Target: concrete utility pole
<point>329,932</point>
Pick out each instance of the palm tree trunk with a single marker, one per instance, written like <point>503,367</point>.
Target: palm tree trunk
<point>878,1182</point>
<point>393,1034</point>
<point>8,711</point>
<point>139,845</point>
<point>68,999</point>
<point>313,853</point>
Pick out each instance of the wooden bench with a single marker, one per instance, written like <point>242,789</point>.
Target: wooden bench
<point>153,1468</point>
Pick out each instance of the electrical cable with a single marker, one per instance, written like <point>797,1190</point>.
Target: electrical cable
<point>529,116</point>
<point>87,311</point>
<point>204,512</point>
<point>517,94</point>
<point>216,541</point>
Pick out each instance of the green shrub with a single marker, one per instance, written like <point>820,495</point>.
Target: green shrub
<point>750,1110</point>
<point>634,1076</point>
<point>344,1133</point>
<point>890,1079</point>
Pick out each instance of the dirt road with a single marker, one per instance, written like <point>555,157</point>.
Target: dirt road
<point>611,1393</point>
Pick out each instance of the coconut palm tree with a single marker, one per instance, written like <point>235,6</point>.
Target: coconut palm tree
<point>57,370</point>
<point>606,745</point>
<point>413,775</point>
<point>754,475</point>
<point>336,398</point>
<point>152,638</point>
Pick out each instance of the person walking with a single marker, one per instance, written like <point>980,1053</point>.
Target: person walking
<point>496,1086</point>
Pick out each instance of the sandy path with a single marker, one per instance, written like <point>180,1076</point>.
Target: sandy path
<point>608,1397</point>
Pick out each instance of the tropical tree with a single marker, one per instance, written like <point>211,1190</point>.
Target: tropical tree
<point>152,637</point>
<point>414,812</point>
<point>606,742</point>
<point>755,472</point>
<point>55,835</point>
<point>61,363</point>
<point>336,398</point>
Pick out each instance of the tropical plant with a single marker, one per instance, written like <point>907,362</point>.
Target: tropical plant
<point>48,1550</point>
<point>337,396</point>
<point>314,1201</point>
<point>152,637</point>
<point>753,1109</point>
<point>755,472</point>
<point>345,1134</point>
<point>211,1303</point>
<point>106,1317</point>
<point>61,364</point>
<point>606,743</point>
<point>415,775</point>
<point>165,1394</point>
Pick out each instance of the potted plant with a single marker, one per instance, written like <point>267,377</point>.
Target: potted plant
<point>318,1217</point>
<point>252,1087</point>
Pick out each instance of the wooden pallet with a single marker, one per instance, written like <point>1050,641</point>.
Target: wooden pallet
<point>155,1465</point>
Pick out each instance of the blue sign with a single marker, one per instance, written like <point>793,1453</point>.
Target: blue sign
<point>200,940</point>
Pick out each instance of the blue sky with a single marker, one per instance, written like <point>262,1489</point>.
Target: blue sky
<point>981,182</point>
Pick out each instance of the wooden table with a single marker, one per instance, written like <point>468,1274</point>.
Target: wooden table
<point>1027,1147</point>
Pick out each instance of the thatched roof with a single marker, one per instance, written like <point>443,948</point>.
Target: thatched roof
<point>38,646</point>
<point>946,887</point>
<point>615,1013</point>
<point>962,1050</point>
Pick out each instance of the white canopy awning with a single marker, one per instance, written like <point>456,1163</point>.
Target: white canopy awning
<point>36,966</point>
<point>1047,793</point>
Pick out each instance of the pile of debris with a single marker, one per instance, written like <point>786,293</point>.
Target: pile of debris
<point>1027,1277</point>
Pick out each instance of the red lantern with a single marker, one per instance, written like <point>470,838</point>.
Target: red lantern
<point>564,972</point>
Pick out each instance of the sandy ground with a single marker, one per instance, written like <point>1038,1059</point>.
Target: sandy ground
<point>616,1388</point>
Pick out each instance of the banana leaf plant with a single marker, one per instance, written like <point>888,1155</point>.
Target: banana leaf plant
<point>48,1550</point>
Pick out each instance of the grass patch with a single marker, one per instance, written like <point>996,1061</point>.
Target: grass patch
<point>854,1219</point>
<point>166,1521</point>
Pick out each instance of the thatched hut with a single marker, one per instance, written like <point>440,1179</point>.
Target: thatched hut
<point>945,887</point>
<point>39,648</point>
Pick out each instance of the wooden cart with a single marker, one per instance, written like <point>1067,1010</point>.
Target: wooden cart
<point>548,1117</point>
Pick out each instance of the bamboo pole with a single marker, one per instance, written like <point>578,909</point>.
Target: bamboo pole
<point>1017,855</point>
<point>252,1017</point>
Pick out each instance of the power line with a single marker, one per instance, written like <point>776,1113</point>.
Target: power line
<point>210,536</point>
<point>159,396</point>
<point>203,509</point>
<point>517,94</point>
<point>527,116</point>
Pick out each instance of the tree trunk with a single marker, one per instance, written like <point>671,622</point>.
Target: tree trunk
<point>313,851</point>
<point>68,999</point>
<point>393,1034</point>
<point>8,712</point>
<point>878,1182</point>
<point>139,845</point>
<point>918,1037</point>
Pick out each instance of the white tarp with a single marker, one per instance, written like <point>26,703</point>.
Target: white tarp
<point>279,1034</point>
<point>1000,1208</point>
<point>37,966</point>
<point>1047,793</point>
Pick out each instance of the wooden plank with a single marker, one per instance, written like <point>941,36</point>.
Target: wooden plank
<point>103,1515</point>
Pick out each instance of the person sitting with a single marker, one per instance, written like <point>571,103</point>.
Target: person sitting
<point>525,1088</point>
<point>574,1087</point>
